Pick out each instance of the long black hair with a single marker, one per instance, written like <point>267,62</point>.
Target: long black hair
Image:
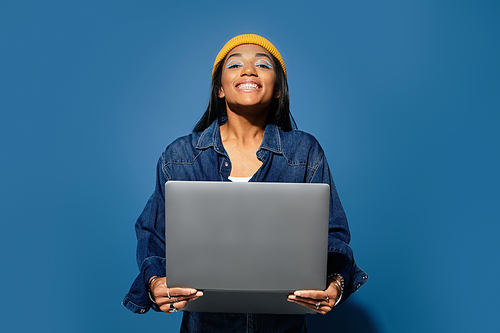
<point>279,112</point>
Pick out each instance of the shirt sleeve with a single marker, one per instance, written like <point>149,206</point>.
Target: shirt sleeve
<point>340,255</point>
<point>150,232</point>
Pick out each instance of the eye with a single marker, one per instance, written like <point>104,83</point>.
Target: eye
<point>234,64</point>
<point>263,63</point>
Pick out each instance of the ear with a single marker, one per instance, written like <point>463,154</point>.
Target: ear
<point>221,93</point>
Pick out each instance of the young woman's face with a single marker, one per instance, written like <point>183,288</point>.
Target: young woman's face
<point>248,77</point>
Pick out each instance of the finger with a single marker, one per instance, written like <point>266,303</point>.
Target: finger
<point>182,291</point>
<point>314,294</point>
<point>163,290</point>
<point>321,309</point>
<point>167,307</point>
<point>173,299</point>
<point>310,301</point>
<point>177,305</point>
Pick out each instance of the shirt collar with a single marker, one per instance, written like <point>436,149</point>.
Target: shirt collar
<point>210,137</point>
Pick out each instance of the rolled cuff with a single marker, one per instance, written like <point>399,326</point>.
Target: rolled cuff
<point>137,299</point>
<point>341,261</point>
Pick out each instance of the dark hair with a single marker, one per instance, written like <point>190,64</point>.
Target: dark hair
<point>279,112</point>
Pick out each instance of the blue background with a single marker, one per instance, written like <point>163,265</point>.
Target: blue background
<point>402,95</point>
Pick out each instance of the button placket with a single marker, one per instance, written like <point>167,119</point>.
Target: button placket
<point>225,169</point>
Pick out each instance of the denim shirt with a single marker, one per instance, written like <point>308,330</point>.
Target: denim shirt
<point>293,157</point>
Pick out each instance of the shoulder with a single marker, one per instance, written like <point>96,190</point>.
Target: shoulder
<point>301,147</point>
<point>300,135</point>
<point>298,139</point>
<point>187,148</point>
<point>182,149</point>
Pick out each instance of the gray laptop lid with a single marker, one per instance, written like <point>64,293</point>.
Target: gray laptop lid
<point>246,245</point>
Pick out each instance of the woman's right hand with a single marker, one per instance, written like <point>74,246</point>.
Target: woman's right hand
<point>178,299</point>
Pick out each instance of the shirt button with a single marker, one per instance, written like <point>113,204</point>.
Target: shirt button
<point>226,164</point>
<point>143,311</point>
<point>358,286</point>
<point>365,277</point>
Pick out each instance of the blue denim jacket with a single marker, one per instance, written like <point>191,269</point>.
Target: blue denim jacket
<point>293,157</point>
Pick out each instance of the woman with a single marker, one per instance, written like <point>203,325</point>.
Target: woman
<point>246,134</point>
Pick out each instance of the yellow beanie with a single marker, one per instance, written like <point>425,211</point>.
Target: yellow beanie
<point>248,39</point>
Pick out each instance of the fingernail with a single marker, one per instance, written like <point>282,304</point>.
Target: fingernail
<point>199,293</point>
<point>297,293</point>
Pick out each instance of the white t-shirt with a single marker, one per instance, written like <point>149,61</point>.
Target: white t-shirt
<point>239,179</point>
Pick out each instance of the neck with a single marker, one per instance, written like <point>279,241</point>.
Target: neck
<point>243,129</point>
<point>244,126</point>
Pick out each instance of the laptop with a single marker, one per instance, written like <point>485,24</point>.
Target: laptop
<point>246,245</point>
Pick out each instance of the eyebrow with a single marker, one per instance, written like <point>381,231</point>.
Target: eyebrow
<point>257,55</point>
<point>262,55</point>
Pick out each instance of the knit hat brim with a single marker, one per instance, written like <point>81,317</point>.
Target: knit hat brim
<point>248,39</point>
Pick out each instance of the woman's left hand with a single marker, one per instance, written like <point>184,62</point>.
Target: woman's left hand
<point>321,301</point>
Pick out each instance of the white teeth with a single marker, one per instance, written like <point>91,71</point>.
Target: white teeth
<point>248,86</point>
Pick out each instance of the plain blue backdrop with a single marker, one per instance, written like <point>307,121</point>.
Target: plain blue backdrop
<point>402,95</point>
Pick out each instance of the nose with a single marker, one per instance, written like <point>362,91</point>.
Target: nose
<point>248,69</point>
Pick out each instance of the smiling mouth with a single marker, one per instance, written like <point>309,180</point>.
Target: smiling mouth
<point>247,86</point>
